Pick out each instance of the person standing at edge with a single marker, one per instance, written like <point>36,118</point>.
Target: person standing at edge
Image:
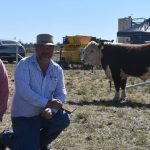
<point>4,89</point>
<point>37,114</point>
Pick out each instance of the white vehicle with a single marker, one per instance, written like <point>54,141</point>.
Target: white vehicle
<point>9,49</point>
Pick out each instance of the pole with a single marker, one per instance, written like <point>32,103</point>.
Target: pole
<point>16,53</point>
<point>138,84</point>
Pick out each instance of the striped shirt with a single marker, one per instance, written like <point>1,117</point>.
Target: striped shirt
<point>4,90</point>
<point>33,90</point>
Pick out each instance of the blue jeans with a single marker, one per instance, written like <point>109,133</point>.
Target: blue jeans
<point>33,132</point>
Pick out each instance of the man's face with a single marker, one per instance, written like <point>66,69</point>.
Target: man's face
<point>44,52</point>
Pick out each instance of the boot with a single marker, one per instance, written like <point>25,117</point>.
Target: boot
<point>44,148</point>
<point>2,147</point>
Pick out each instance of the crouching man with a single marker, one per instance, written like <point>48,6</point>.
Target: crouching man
<point>37,114</point>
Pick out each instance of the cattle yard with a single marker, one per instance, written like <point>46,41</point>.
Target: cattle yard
<point>98,122</point>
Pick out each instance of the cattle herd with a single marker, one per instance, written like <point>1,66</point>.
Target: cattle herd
<point>119,61</point>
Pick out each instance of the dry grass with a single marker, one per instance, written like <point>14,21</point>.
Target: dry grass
<point>99,123</point>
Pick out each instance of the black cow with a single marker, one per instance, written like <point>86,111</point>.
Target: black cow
<point>119,61</point>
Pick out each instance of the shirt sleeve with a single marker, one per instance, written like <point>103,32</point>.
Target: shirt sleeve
<point>60,91</point>
<point>4,89</point>
<point>22,86</point>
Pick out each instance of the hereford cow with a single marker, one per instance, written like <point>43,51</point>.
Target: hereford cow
<point>119,61</point>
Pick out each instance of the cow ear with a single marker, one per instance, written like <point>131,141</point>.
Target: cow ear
<point>101,46</point>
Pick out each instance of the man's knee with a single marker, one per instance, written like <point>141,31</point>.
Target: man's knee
<point>64,119</point>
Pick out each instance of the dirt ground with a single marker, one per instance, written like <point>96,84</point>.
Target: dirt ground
<point>98,123</point>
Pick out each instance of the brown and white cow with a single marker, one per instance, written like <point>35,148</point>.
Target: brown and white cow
<point>119,61</point>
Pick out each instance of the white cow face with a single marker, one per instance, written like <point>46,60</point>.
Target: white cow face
<point>92,54</point>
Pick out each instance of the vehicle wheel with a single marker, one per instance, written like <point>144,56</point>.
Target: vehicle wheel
<point>87,67</point>
<point>10,61</point>
<point>64,65</point>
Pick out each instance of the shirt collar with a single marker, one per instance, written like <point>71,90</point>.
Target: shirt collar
<point>34,60</point>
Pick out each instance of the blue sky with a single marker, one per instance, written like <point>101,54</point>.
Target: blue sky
<point>25,19</point>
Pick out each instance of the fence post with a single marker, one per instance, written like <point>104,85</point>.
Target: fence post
<point>16,53</point>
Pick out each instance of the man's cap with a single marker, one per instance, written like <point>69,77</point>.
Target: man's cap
<point>44,39</point>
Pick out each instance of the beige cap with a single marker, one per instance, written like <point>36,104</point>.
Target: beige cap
<point>44,39</point>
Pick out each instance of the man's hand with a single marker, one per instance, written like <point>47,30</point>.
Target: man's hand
<point>55,104</point>
<point>47,113</point>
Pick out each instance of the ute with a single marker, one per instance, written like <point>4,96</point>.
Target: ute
<point>9,50</point>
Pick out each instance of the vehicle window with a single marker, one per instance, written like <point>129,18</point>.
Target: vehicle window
<point>9,42</point>
<point>3,47</point>
<point>10,48</point>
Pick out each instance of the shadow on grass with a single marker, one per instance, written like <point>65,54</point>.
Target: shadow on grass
<point>111,103</point>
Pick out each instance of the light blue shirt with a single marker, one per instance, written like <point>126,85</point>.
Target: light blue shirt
<point>33,90</point>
